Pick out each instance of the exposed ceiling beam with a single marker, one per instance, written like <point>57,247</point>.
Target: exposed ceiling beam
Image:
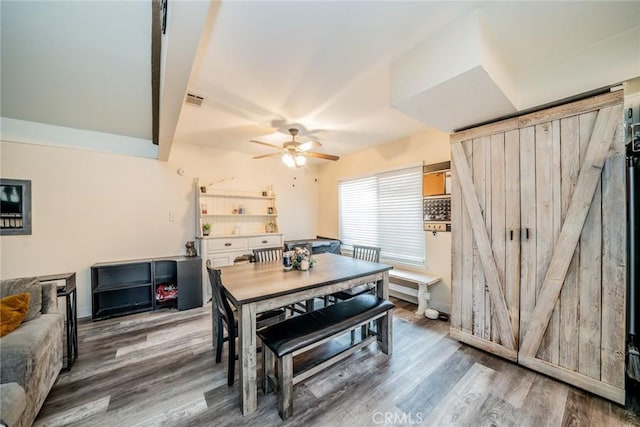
<point>186,21</point>
<point>158,9</point>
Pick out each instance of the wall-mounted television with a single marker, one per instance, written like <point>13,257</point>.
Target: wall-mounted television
<point>15,206</point>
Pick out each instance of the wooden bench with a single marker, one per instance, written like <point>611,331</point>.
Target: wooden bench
<point>423,280</point>
<point>296,335</point>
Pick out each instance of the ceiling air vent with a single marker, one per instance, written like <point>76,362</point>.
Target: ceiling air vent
<point>194,99</point>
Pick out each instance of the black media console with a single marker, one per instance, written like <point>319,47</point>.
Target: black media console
<point>125,287</point>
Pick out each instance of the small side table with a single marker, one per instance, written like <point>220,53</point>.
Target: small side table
<point>68,291</point>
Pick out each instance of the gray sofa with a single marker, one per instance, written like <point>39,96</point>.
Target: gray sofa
<point>31,356</point>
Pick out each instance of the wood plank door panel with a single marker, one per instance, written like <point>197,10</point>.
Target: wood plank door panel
<point>467,255</point>
<point>512,227</point>
<point>538,241</point>
<point>614,268</point>
<point>481,307</point>
<point>547,213</point>
<point>569,321</point>
<point>487,300</point>
<point>569,310</point>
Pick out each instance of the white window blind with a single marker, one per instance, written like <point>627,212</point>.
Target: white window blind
<point>385,210</point>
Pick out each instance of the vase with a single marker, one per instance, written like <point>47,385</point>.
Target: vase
<point>304,264</point>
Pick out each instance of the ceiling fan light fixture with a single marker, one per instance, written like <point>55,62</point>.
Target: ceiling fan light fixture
<point>288,160</point>
<point>294,154</point>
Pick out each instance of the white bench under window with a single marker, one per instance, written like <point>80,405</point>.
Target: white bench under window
<point>399,289</point>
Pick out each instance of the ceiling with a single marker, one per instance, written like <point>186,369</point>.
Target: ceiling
<point>348,74</point>
<point>327,66</point>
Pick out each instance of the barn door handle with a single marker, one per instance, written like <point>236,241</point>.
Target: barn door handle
<point>527,233</point>
<point>511,234</point>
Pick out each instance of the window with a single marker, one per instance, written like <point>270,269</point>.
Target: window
<point>385,210</point>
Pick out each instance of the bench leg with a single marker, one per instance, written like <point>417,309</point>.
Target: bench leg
<point>423,298</point>
<point>285,386</point>
<point>385,332</point>
<point>268,370</point>
<point>310,305</point>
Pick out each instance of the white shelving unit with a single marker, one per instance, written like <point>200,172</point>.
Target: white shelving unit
<point>233,233</point>
<point>236,212</point>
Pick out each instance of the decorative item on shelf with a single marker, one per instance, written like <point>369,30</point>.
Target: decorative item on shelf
<point>203,189</point>
<point>206,229</point>
<point>237,230</point>
<point>191,248</point>
<point>203,208</point>
<point>241,209</point>
<point>301,259</point>
<point>166,292</point>
<point>270,227</point>
<point>270,210</point>
<point>264,194</point>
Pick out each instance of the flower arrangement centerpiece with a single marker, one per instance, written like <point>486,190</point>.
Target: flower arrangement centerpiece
<point>301,259</point>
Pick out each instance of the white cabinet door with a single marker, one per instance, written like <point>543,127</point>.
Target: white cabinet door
<point>223,259</point>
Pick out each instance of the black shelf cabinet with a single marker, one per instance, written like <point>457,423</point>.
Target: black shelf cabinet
<point>186,274</point>
<point>126,287</point>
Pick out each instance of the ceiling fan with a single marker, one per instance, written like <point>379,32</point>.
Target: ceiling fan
<point>294,153</point>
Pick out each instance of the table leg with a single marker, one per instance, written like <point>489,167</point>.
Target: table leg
<point>385,337</point>
<point>247,358</point>
<point>75,322</point>
<point>69,331</point>
<point>384,325</point>
<point>71,326</point>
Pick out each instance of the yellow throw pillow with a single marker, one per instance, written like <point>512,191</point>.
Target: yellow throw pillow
<point>13,310</point>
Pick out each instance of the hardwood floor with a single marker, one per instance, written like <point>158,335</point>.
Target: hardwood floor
<point>158,368</point>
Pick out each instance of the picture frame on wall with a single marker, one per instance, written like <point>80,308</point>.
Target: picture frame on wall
<point>15,207</point>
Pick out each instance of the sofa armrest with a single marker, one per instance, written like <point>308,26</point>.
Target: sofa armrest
<point>13,400</point>
<point>49,298</point>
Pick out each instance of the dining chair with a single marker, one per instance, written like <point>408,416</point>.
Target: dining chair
<point>268,254</point>
<point>275,254</point>
<point>227,318</point>
<point>366,253</point>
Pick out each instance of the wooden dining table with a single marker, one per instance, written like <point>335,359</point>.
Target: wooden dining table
<point>258,287</point>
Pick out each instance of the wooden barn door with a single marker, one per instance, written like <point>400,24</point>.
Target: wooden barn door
<point>573,250</point>
<point>485,242</point>
<point>538,242</point>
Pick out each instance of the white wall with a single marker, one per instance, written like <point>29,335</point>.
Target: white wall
<point>431,147</point>
<point>91,207</point>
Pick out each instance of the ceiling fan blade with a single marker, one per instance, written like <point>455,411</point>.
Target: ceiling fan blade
<point>321,155</point>
<point>308,145</point>
<point>266,155</point>
<point>265,144</point>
